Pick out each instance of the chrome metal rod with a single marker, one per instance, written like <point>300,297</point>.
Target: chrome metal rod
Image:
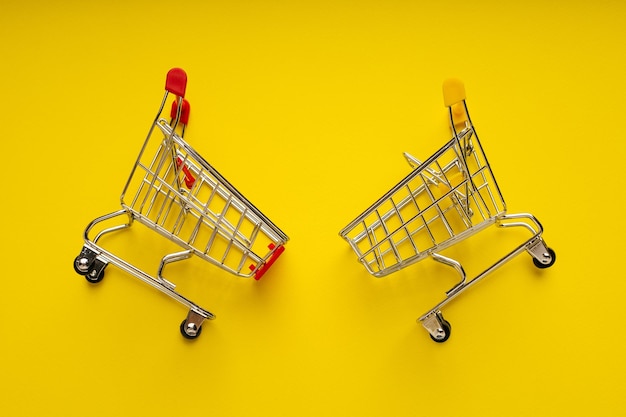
<point>109,257</point>
<point>167,259</point>
<point>110,229</point>
<point>456,265</point>
<point>521,248</point>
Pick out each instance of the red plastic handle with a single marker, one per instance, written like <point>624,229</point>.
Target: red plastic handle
<point>184,112</point>
<point>176,82</point>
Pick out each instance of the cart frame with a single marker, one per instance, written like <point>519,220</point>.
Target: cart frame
<point>444,200</point>
<point>178,194</point>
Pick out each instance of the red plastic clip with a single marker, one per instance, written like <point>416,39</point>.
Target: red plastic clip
<point>184,112</point>
<point>176,82</point>
<point>189,178</point>
<point>263,269</point>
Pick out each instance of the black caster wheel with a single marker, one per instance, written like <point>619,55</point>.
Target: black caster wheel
<point>447,328</point>
<point>190,331</point>
<point>81,265</point>
<point>549,264</point>
<point>86,261</point>
<point>95,274</point>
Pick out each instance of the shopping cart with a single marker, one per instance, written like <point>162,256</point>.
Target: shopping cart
<point>175,192</point>
<point>444,200</point>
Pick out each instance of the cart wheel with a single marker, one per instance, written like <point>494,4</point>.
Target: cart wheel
<point>549,264</point>
<point>81,265</point>
<point>94,276</point>
<point>95,273</point>
<point>190,332</point>
<point>447,329</point>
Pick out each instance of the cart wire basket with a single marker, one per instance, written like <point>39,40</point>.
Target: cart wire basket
<point>444,200</point>
<point>176,193</point>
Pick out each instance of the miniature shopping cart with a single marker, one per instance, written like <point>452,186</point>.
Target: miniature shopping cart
<point>444,200</point>
<point>176,193</point>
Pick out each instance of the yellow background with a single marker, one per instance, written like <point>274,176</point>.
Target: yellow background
<point>306,106</point>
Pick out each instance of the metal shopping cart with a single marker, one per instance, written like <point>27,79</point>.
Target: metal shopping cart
<point>178,194</point>
<point>444,200</point>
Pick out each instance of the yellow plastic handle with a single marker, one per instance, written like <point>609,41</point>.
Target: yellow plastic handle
<point>453,91</point>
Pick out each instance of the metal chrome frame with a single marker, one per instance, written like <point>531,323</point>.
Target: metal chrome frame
<point>384,249</point>
<point>170,185</point>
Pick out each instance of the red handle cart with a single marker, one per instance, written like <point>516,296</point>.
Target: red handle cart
<point>176,193</point>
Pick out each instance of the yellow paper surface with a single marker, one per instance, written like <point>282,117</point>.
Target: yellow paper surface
<point>306,107</point>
